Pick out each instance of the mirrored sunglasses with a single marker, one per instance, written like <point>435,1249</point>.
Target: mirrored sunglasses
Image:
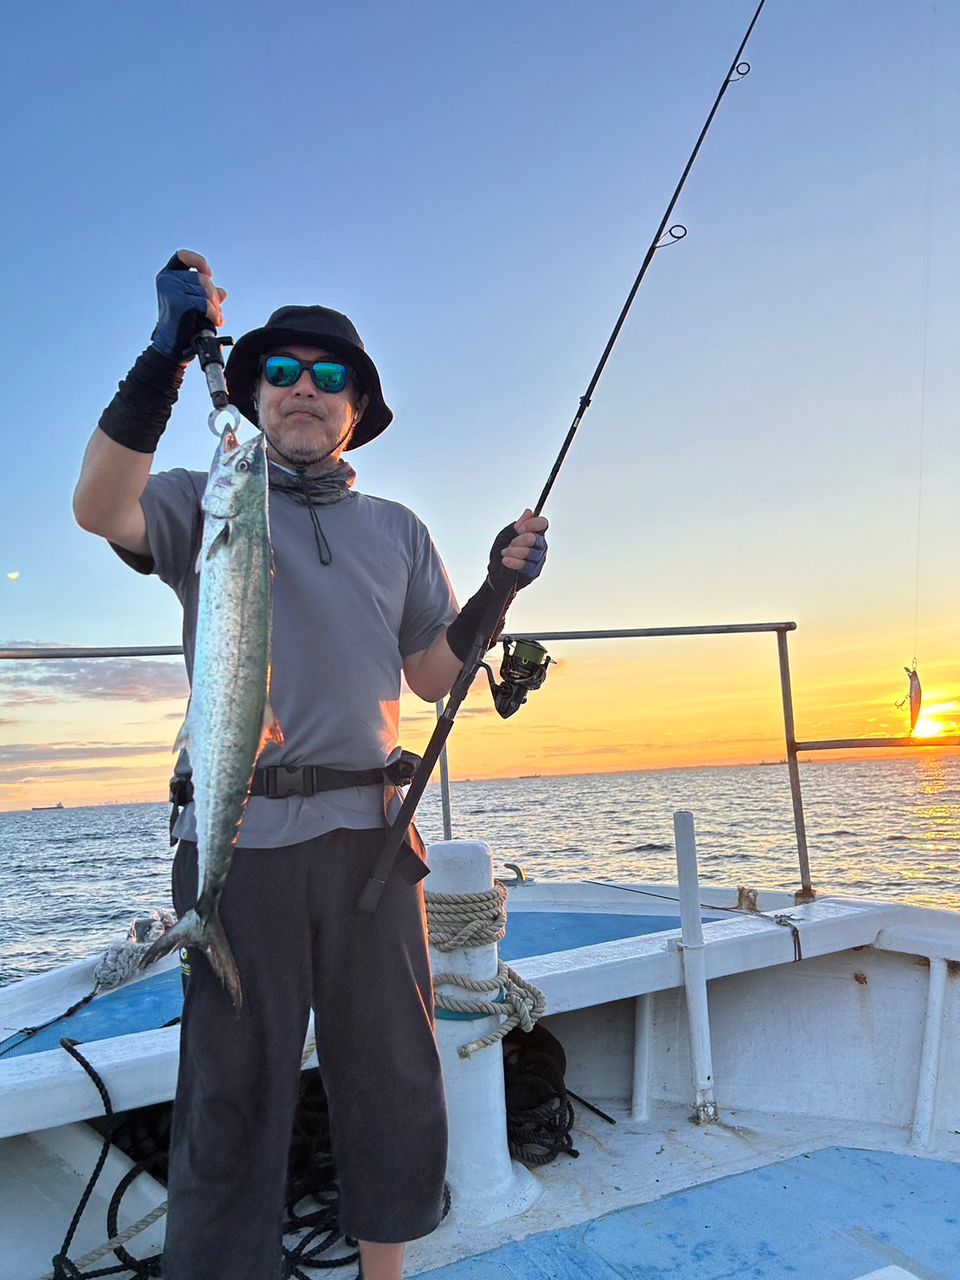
<point>285,371</point>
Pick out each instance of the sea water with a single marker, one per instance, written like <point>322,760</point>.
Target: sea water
<point>71,880</point>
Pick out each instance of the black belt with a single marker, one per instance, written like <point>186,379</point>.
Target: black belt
<point>279,781</point>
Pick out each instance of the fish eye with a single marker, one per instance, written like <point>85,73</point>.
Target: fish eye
<point>243,465</point>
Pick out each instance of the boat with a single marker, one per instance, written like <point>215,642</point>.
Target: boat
<point>770,1086</point>
<point>46,808</point>
<point>761,1083</point>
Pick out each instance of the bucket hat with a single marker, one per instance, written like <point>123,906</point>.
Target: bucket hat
<point>310,327</point>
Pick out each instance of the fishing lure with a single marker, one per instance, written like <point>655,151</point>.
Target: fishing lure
<point>914,696</point>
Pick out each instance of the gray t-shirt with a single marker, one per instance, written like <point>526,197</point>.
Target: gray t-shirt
<point>341,633</point>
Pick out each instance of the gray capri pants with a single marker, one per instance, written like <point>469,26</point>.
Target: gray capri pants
<point>298,939</point>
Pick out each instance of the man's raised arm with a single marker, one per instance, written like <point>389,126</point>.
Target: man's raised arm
<point>116,465</point>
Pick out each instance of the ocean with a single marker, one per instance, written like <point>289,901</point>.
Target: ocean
<point>72,880</point>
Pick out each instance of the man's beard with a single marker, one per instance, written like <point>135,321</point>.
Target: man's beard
<point>310,454</point>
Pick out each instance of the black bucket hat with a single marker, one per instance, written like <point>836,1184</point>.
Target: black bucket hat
<point>307,327</point>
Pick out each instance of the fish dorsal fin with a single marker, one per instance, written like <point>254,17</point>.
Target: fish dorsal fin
<point>182,742</point>
<point>271,731</point>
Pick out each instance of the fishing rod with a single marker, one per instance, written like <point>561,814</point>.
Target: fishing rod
<point>524,667</point>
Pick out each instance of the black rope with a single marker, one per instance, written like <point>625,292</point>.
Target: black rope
<point>540,1114</point>
<point>311,1176</point>
<point>63,1267</point>
<point>312,1181</point>
<point>312,1198</point>
<point>29,1032</point>
<point>709,906</point>
<point>797,946</point>
<point>669,897</point>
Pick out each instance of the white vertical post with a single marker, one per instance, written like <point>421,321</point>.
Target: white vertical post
<point>930,1054</point>
<point>444,782</point>
<point>642,1030</point>
<point>486,1185</point>
<point>694,966</point>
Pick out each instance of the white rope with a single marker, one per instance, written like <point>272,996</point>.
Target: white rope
<point>122,960</point>
<point>146,1221</point>
<point>460,920</point>
<point>522,1003</point>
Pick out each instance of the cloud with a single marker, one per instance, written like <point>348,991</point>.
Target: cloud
<point>427,713</point>
<point>39,777</point>
<point>32,762</point>
<point>26,752</point>
<point>565,729</point>
<point>112,679</point>
<point>619,749</point>
<point>22,696</point>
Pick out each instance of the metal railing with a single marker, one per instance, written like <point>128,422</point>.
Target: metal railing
<point>780,629</point>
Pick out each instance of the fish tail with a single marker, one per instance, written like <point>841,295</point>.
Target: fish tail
<point>217,950</point>
<point>207,934</point>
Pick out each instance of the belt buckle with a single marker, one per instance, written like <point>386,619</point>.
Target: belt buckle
<point>281,781</point>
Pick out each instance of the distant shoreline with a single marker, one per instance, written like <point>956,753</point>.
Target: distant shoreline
<point>806,759</point>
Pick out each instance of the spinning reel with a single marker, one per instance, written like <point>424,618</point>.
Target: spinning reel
<point>522,670</point>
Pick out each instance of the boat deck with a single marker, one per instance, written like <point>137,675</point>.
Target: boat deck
<point>754,1197</point>
<point>833,1214</point>
<point>785,1190</point>
<point>157,1000</point>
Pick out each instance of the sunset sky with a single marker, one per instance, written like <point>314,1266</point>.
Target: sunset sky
<point>476,187</point>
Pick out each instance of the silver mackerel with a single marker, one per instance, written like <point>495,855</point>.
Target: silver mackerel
<point>229,718</point>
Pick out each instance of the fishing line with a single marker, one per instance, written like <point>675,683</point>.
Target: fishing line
<point>737,71</point>
<point>924,312</point>
<point>504,583</point>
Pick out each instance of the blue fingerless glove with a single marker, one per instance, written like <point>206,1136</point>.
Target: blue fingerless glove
<point>461,631</point>
<point>183,311</point>
<point>536,555</point>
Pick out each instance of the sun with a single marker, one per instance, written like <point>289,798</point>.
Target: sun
<point>928,727</point>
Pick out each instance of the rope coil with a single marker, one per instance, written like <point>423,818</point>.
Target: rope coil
<point>460,920</point>
<point>457,921</point>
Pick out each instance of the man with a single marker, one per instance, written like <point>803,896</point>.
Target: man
<point>359,595</point>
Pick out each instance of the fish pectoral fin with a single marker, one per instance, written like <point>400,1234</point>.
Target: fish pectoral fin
<point>271,731</point>
<point>221,540</point>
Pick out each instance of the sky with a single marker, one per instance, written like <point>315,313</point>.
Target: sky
<point>775,435</point>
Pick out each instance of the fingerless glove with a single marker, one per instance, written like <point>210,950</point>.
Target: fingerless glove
<point>137,415</point>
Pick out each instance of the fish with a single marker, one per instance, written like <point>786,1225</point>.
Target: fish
<point>229,718</point>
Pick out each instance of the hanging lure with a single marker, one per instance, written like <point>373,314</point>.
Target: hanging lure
<point>914,696</point>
